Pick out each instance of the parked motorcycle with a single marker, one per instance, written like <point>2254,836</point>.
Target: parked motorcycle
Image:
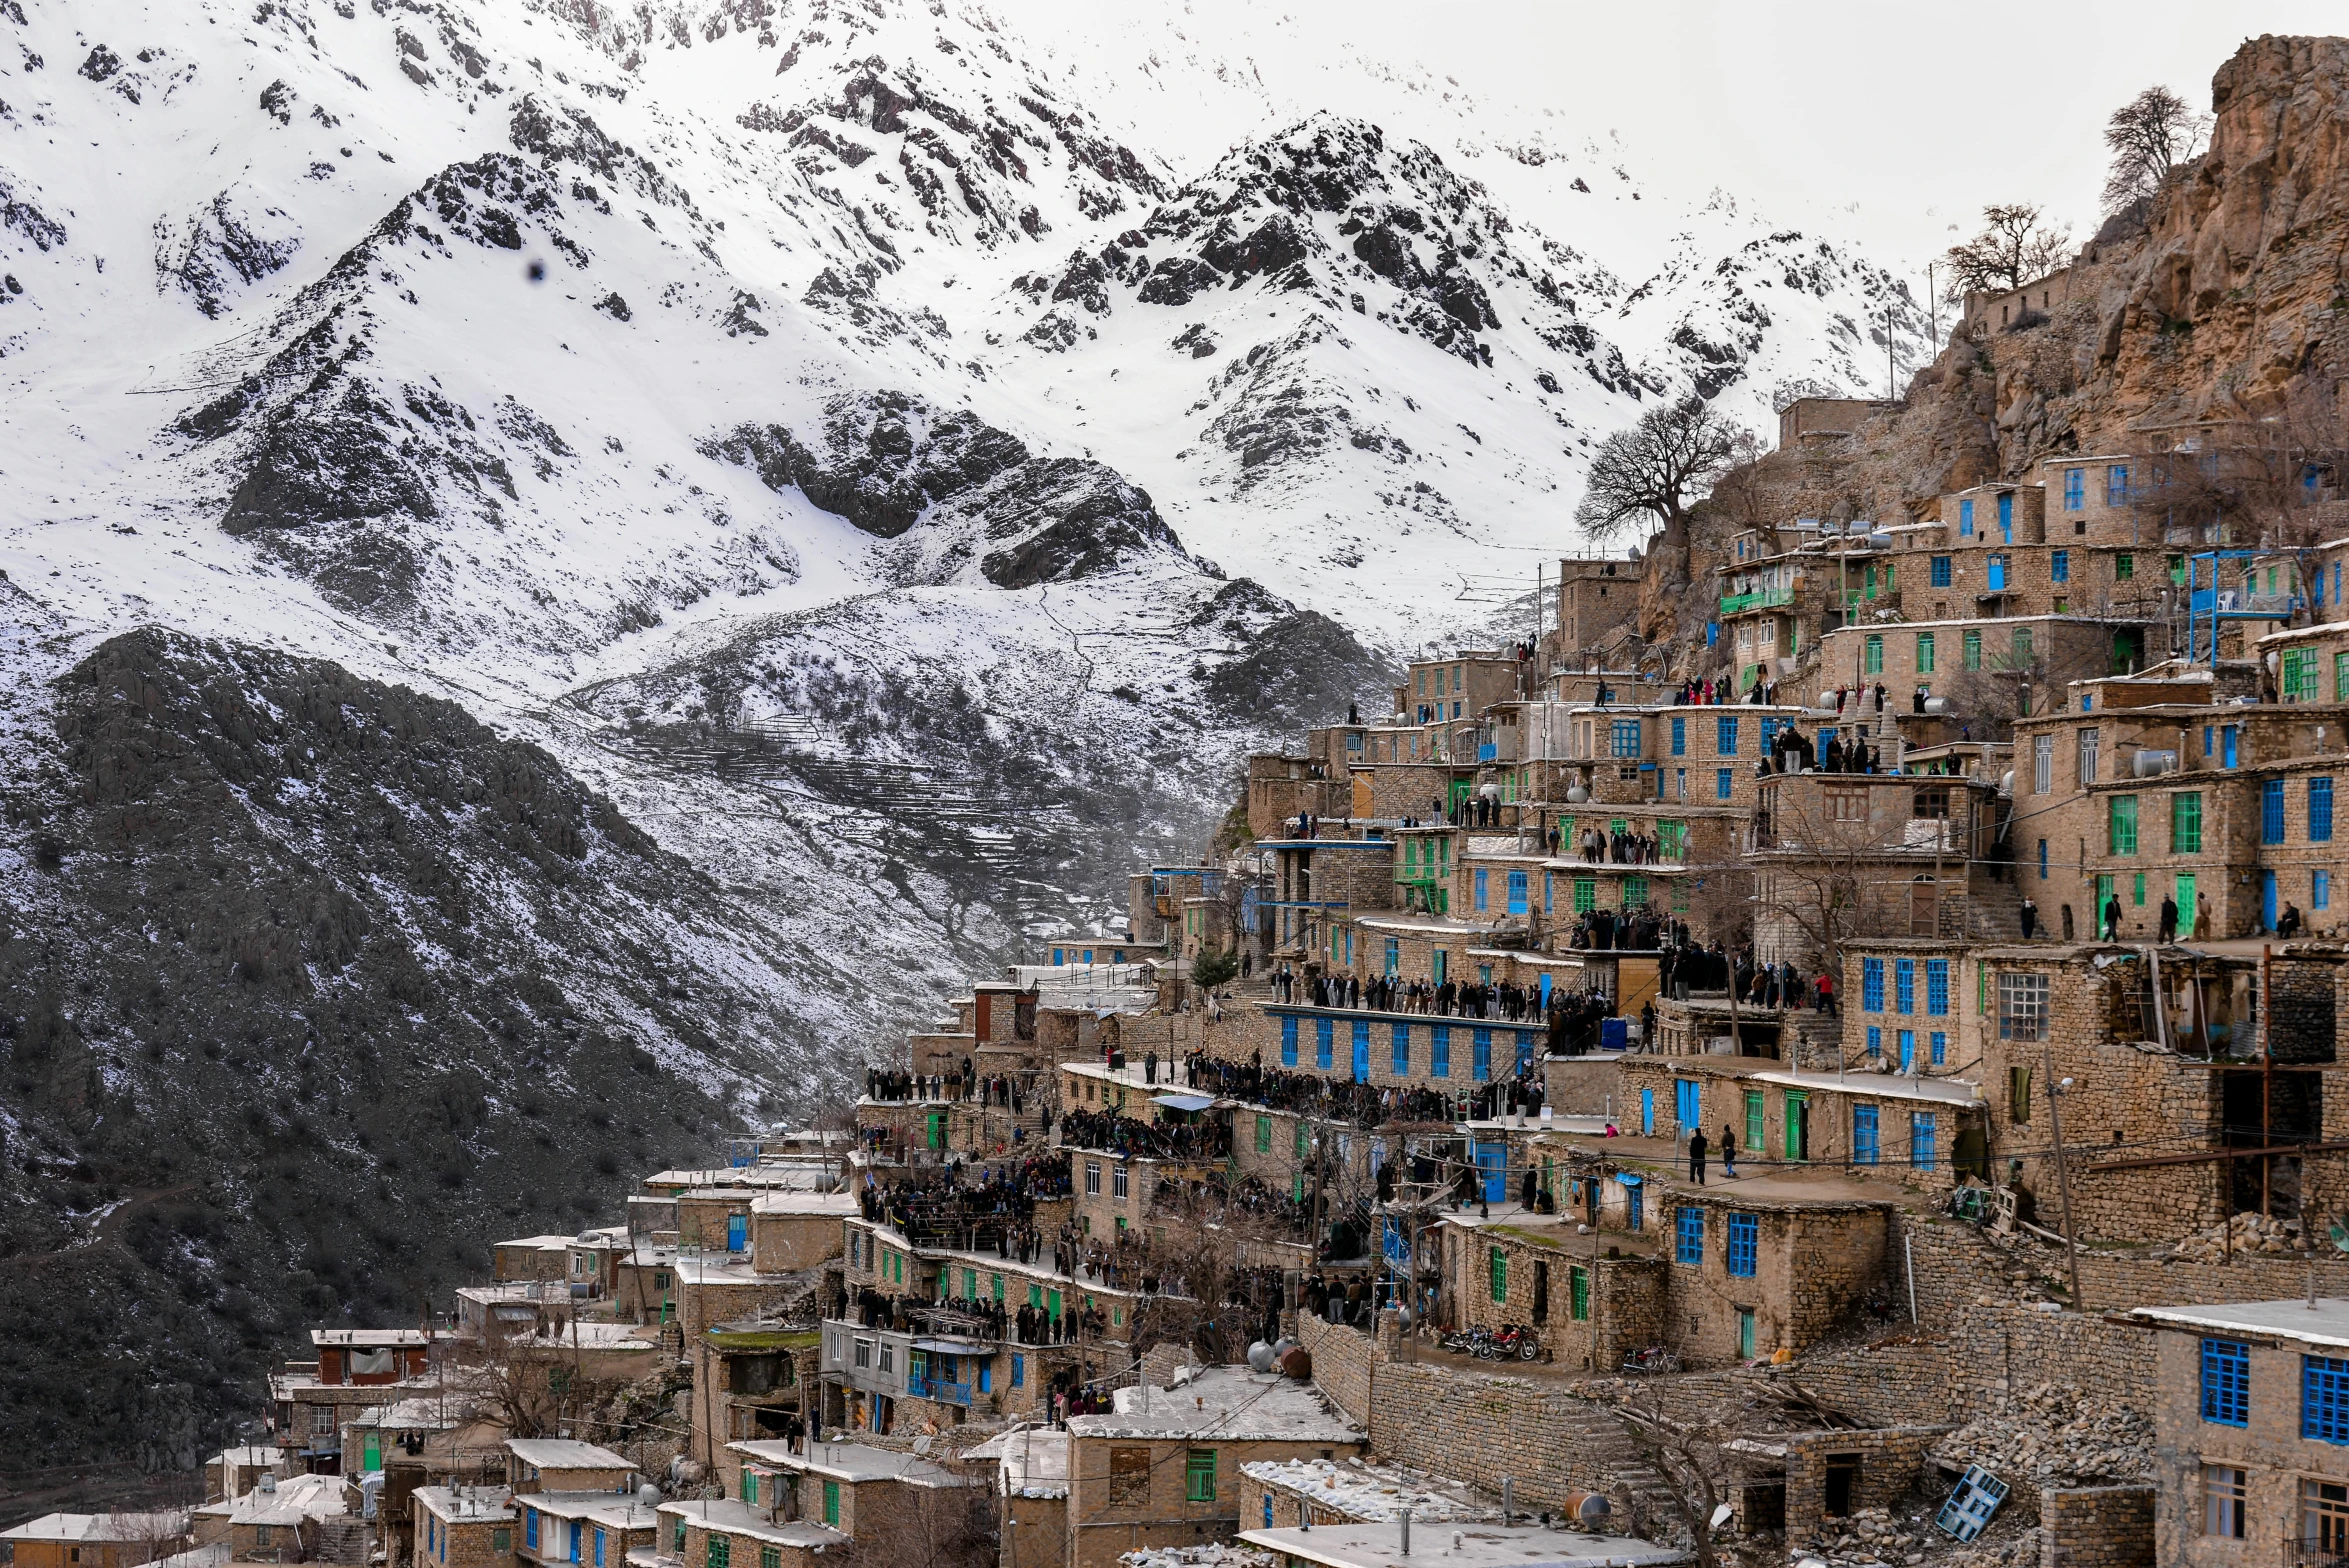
<point>1653,1359</point>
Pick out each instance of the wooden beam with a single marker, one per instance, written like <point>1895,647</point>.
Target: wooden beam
<point>2204,1156</point>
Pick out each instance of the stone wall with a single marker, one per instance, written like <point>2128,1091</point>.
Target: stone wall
<point>1342,1361</point>
<point>2097,1527</point>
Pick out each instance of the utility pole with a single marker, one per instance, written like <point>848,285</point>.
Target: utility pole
<point>2063,1175</point>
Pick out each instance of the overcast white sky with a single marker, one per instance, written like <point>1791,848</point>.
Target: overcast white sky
<point>1912,117</point>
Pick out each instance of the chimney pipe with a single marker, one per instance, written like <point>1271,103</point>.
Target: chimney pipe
<point>1508,1497</point>
<point>1404,1547</point>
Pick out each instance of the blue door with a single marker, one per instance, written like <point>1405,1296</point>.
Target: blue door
<point>1545,993</point>
<point>1997,573</point>
<point>1362,1050</point>
<point>1908,1050</point>
<point>1863,1134</point>
<point>1647,1113</point>
<point>2226,745</point>
<point>1684,1104</point>
<point>737,1232</point>
<point>1517,898</point>
<point>2267,901</point>
<point>1492,1159</point>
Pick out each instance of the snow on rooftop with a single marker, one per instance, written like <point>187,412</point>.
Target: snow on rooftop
<point>1230,1403</point>
<point>564,1453</point>
<point>1215,1554</point>
<point>2325,1321</point>
<point>1478,1546</point>
<point>1371,1492</point>
<point>1034,1461</point>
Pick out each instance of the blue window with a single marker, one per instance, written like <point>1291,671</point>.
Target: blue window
<point>2320,811</point>
<point>737,1232</point>
<point>1680,737</point>
<point>530,1528</point>
<point>1770,729</point>
<point>1518,902</point>
<point>1268,1510</point>
<point>1904,985</point>
<point>1549,892</point>
<point>1965,519</point>
<point>2075,489</point>
<point>1924,1140</point>
<point>2116,485</point>
<point>1324,1034</point>
<point>2006,517</point>
<point>1863,1134</point>
<point>1725,736</point>
<point>1940,571</point>
<point>1439,1051</point>
<point>1624,734</point>
<point>2320,889</point>
<point>1019,1370</point>
<point>1402,1051</point>
<point>1481,1063</point>
<point>1480,887</point>
<point>2043,860</point>
<point>2226,1382</point>
<point>1940,1047</point>
<point>1688,1237</point>
<point>1394,956</point>
<point>1872,985</point>
<point>1721,784</point>
<point>1289,1040</point>
<point>1937,988</point>
<point>1060,955</point>
<point>2059,567</point>
<point>1875,1041</point>
<point>2324,1399</point>
<point>2271,812</point>
<point>1744,1245</point>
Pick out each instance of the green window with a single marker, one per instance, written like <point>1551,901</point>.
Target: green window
<point>970,1284</point>
<point>1875,665</point>
<point>501,1541</point>
<point>2122,821</point>
<point>1973,650</point>
<point>1035,1295</point>
<point>1263,1135</point>
<point>2186,822</point>
<point>770,1557</point>
<point>750,1486</point>
<point>2341,677</point>
<point>2023,645</point>
<point>1753,1120</point>
<point>1579,1280</point>
<point>677,1538</point>
<point>2137,893</point>
<point>1498,1267</point>
<point>721,1551</point>
<point>1924,653</point>
<point>1586,895</point>
<point>1635,892</point>
<point>1300,1138</point>
<point>2124,567</point>
<point>1199,1476</point>
<point>2300,681</point>
<point>832,1503</point>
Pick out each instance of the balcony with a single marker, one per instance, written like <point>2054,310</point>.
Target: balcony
<point>917,1387</point>
<point>1759,599</point>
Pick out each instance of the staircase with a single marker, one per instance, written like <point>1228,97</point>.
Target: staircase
<point>1992,913</point>
<point>345,1540</point>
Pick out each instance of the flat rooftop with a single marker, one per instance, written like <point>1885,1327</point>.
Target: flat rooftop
<point>1379,1545</point>
<point>565,1453</point>
<point>847,1462</point>
<point>1229,1403</point>
<point>2325,1322</point>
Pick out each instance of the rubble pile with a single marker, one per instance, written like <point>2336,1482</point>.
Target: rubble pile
<point>1875,1535</point>
<point>2055,1436</point>
<point>2240,1235</point>
<point>1881,1538</point>
<point>1215,1554</point>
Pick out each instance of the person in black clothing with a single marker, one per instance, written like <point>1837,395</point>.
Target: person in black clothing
<point>2030,917</point>
<point>2169,919</point>
<point>2112,919</point>
<point>1696,1156</point>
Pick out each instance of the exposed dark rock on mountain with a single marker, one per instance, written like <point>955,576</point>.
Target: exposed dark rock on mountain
<point>279,1045</point>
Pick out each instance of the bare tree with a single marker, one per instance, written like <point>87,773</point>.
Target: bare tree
<point>2149,136</point>
<point>1660,468</point>
<point>2013,248</point>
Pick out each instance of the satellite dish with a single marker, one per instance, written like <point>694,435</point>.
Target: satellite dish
<point>2338,1230</point>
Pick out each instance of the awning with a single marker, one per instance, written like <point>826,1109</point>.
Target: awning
<point>1183,1102</point>
<point>1627,1179</point>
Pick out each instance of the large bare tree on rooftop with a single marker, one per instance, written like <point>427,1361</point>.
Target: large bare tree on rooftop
<point>1659,468</point>
<point>2149,136</point>
<point>2013,248</point>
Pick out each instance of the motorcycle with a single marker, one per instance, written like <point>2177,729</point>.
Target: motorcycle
<point>1653,1359</point>
<point>1517,1341</point>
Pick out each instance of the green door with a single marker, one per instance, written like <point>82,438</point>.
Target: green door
<point>937,1129</point>
<point>1052,1305</point>
<point>1798,1132</point>
<point>1753,1120</point>
<point>374,1460</point>
<point>1745,1333</point>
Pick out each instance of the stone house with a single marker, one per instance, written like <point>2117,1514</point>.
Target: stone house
<point>751,1380</point>
<point>585,1529</point>
<point>112,1540</point>
<point>356,1368</point>
<point>462,1527</point>
<point>2251,1431</point>
<point>1169,1474</point>
<point>863,1493</point>
<point>790,1231</point>
<point>722,1533</point>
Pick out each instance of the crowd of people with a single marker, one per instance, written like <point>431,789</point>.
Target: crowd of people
<point>956,1083</point>
<point>1504,1002</point>
<point>994,1211</point>
<point>1113,1133</point>
<point>1620,848</point>
<point>1635,931</point>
